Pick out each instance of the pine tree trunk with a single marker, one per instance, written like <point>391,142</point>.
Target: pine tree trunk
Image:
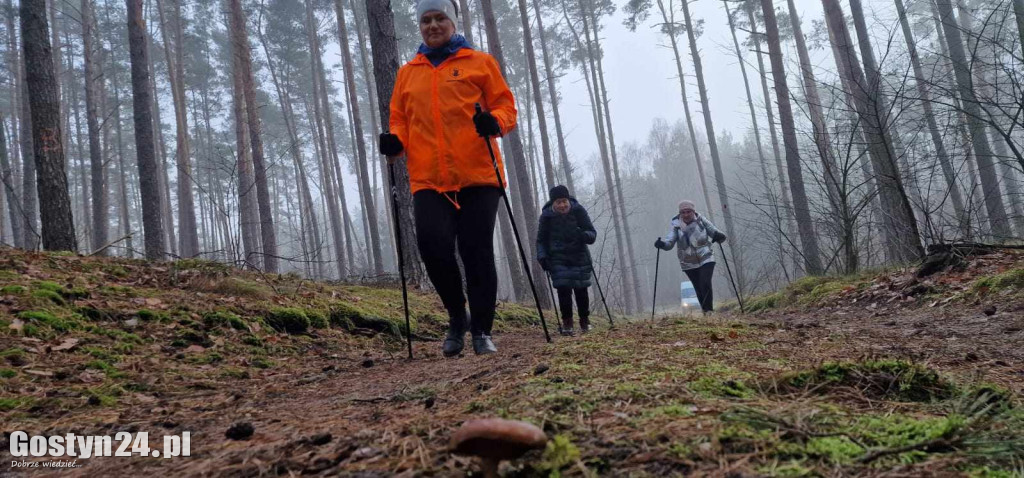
<point>13,63</point>
<point>542,122</point>
<point>929,115</point>
<point>248,210</point>
<point>904,242</point>
<point>357,124</point>
<point>188,240</point>
<point>100,198</point>
<point>668,18</point>
<point>515,160</point>
<point>982,149</point>
<point>142,104</point>
<point>10,192</point>
<point>716,161</point>
<point>590,77</point>
<point>805,224</point>
<point>553,95</point>
<point>630,265</point>
<point>29,194</point>
<point>243,54</point>
<point>384,44</point>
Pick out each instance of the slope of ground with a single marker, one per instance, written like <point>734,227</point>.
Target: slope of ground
<point>827,380</point>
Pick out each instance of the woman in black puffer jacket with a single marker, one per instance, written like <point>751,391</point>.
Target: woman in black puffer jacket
<point>562,238</point>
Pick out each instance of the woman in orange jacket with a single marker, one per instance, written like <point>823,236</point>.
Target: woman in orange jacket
<point>455,190</point>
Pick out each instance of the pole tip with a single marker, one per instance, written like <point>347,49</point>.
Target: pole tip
<point>477,107</point>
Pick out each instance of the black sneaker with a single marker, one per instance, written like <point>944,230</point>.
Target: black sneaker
<point>455,340</point>
<point>482,345</point>
<point>568,332</point>
<point>585,328</point>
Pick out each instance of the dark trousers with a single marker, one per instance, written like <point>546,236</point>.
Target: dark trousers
<point>701,280</point>
<point>582,305</point>
<point>440,226</point>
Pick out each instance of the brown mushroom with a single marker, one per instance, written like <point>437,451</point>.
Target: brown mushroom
<point>494,439</point>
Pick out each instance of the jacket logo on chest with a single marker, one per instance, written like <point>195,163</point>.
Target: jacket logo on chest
<point>456,74</point>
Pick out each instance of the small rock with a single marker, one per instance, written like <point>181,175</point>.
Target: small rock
<point>240,431</point>
<point>428,403</point>
<point>989,311</point>
<point>365,452</point>
<point>321,439</point>
<point>971,357</point>
<point>541,368</point>
<point>367,363</point>
<point>131,322</point>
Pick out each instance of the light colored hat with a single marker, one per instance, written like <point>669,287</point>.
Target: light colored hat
<point>687,204</point>
<point>447,7</point>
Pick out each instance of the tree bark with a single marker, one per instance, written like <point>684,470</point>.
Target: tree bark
<point>516,160</point>
<point>979,139</point>
<point>542,122</point>
<point>98,173</point>
<point>808,238</point>
<point>188,240</point>
<point>29,194</point>
<point>243,53</point>
<point>142,104</point>
<point>929,115</point>
<point>357,124</point>
<point>248,210</point>
<point>10,192</point>
<point>668,19</point>
<point>58,228</point>
<point>553,94</point>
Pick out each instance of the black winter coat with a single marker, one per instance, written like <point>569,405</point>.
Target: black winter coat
<point>562,241</point>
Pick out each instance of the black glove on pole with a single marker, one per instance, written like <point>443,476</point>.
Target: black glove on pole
<point>508,207</point>
<point>398,231</point>
<point>390,145</point>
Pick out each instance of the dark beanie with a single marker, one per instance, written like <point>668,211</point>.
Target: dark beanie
<point>559,192</point>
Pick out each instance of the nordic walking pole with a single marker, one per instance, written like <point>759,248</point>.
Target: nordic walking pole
<point>515,232</point>
<point>654,301</point>
<point>401,256</point>
<point>551,287</point>
<point>599,290</point>
<point>731,281</point>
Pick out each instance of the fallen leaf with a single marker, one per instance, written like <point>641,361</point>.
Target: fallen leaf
<point>67,344</point>
<point>195,349</point>
<point>153,301</point>
<point>733,334</point>
<point>17,325</point>
<point>40,373</point>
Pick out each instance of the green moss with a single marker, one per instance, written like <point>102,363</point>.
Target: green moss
<point>147,315</point>
<point>15,403</point>
<point>193,336</point>
<point>43,318</point>
<point>221,318</point>
<point>260,362</point>
<point>349,317</point>
<point>108,369</point>
<point>203,265</point>
<point>48,285</point>
<point>236,373</point>
<point>104,396</point>
<point>559,453</point>
<point>838,450</point>
<point>288,319</point>
<point>1012,279</point>
<point>252,340</point>
<point>237,287</point>
<point>317,319</point>
<point>76,293</point>
<point>49,295</point>
<point>674,411</point>
<point>8,373</point>
<point>100,353</point>
<point>714,387</point>
<point>892,379</point>
<point>764,302</point>
<point>13,289</point>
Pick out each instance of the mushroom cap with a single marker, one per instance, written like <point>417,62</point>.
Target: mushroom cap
<point>497,438</point>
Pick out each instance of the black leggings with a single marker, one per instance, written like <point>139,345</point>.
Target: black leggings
<point>701,280</point>
<point>565,305</point>
<point>439,227</point>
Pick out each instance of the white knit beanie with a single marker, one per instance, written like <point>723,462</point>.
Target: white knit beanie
<point>447,7</point>
<point>687,204</point>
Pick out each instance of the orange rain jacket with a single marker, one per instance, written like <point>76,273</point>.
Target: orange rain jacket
<point>432,112</point>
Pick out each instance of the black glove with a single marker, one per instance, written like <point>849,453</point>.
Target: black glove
<point>544,263</point>
<point>390,145</point>
<point>486,124</point>
<point>659,244</point>
<point>718,237</point>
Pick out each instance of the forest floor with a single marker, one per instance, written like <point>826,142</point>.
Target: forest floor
<point>876,375</point>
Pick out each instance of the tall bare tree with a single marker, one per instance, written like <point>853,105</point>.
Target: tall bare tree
<point>357,125</point>
<point>975,123</point>
<point>240,40</point>
<point>805,224</point>
<point>384,44</point>
<point>142,104</point>
<point>98,171</point>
